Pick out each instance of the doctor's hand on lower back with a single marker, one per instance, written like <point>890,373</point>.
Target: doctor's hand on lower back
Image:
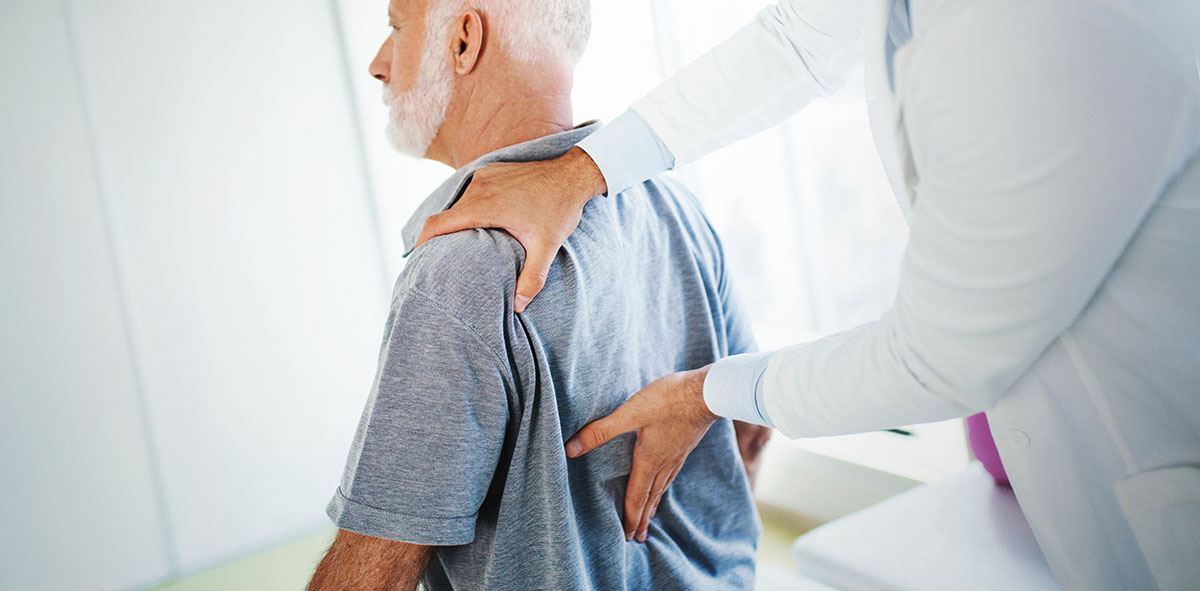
<point>670,418</point>
<point>538,203</point>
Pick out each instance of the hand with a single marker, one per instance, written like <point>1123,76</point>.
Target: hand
<point>670,418</point>
<point>538,203</point>
<point>751,439</point>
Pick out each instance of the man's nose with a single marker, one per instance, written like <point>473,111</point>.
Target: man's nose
<point>379,66</point>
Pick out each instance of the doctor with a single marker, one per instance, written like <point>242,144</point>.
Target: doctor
<point>1045,155</point>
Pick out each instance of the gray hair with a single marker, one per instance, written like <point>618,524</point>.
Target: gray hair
<point>530,30</point>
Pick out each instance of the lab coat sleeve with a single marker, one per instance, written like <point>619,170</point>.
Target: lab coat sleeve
<point>1042,134</point>
<point>792,53</point>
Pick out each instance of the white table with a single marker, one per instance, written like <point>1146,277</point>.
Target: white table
<point>963,532</point>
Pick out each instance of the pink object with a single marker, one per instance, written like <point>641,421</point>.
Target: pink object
<point>979,436</point>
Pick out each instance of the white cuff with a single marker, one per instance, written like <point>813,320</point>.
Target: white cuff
<point>733,388</point>
<point>627,152</point>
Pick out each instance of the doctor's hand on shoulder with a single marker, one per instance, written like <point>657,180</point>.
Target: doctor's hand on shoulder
<point>538,203</point>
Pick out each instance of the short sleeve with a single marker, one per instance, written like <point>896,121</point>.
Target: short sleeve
<point>732,377</point>
<point>737,326</point>
<point>739,336</point>
<point>431,434</point>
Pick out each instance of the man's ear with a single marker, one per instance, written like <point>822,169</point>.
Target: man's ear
<point>466,41</point>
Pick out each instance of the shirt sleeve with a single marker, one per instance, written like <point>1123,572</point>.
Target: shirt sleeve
<point>627,152</point>
<point>431,435</point>
<point>733,388</point>
<point>741,345</point>
<point>1032,181</point>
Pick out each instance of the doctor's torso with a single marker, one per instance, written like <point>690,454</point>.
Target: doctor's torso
<point>1101,435</point>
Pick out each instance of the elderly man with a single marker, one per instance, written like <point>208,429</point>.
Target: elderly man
<point>457,474</point>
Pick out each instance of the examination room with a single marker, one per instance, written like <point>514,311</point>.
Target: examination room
<point>763,295</point>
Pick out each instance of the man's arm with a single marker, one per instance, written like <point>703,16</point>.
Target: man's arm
<point>751,439</point>
<point>358,562</point>
<point>429,440</point>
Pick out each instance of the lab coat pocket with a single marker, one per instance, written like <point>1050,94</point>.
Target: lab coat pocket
<point>1163,509</point>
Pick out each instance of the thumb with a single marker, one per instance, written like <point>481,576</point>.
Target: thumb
<point>602,431</point>
<point>533,274</point>
<point>447,222</point>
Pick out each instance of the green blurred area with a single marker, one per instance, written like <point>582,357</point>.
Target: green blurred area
<point>289,566</point>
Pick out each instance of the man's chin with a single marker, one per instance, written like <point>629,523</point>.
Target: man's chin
<point>408,146</point>
<point>408,140</point>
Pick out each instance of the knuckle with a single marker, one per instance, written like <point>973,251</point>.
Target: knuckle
<point>595,435</point>
<point>475,192</point>
<point>528,285</point>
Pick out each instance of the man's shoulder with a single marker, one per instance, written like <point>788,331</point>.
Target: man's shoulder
<point>673,203</point>
<point>672,197</point>
<point>468,274</point>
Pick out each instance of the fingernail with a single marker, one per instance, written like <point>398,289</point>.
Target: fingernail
<point>641,536</point>
<point>521,302</point>
<point>573,448</point>
<point>628,536</point>
<point>652,512</point>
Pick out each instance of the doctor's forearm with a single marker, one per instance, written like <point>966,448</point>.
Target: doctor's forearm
<point>1011,237</point>
<point>855,381</point>
<point>627,152</point>
<point>789,55</point>
<point>792,53</point>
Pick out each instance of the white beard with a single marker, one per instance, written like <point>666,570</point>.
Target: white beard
<point>416,115</point>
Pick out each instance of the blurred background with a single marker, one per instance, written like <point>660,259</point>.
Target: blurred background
<point>199,229</point>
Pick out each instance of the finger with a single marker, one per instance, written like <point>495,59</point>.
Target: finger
<point>637,495</point>
<point>538,258</point>
<point>661,493</point>
<point>455,219</point>
<point>656,490</point>
<point>601,431</point>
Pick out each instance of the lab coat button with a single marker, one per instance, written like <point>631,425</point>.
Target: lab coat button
<point>1017,439</point>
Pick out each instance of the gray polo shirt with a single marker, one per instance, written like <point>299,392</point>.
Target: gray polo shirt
<point>461,442</point>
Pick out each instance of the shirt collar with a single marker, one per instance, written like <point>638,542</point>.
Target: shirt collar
<point>543,148</point>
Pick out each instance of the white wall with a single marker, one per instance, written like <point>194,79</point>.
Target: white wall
<point>200,222</point>
<point>78,506</point>
<point>194,285</point>
<point>199,226</point>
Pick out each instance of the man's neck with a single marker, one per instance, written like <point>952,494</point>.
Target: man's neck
<point>526,104</point>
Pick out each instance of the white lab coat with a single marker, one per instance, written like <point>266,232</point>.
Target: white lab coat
<point>1053,272</point>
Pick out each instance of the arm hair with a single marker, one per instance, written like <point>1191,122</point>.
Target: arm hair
<point>365,563</point>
